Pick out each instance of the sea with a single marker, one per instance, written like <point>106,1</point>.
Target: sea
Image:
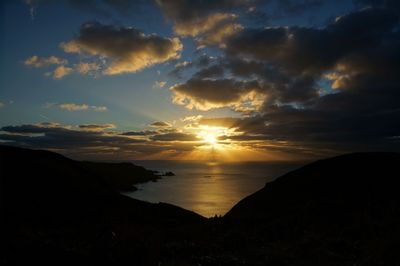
<point>208,188</point>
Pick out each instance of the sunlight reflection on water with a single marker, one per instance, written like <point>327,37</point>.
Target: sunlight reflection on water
<point>208,188</point>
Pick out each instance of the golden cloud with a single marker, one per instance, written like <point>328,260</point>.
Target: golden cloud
<point>127,50</point>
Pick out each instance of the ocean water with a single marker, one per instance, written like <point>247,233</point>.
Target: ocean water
<point>208,188</point>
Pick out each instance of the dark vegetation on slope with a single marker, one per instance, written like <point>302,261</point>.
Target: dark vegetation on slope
<point>340,211</point>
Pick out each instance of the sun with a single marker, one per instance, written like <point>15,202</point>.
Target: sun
<point>210,138</point>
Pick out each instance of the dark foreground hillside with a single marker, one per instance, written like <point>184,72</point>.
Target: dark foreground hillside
<point>56,211</point>
<point>339,211</point>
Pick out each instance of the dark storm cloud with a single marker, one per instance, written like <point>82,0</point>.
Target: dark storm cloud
<point>127,49</point>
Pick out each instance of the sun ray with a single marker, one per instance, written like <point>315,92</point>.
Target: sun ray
<point>209,135</point>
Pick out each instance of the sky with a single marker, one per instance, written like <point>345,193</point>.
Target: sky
<point>231,80</point>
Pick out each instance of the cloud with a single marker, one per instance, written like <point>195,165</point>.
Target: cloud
<point>140,133</point>
<point>204,60</point>
<point>61,72</point>
<point>87,68</point>
<point>99,108</point>
<point>96,127</point>
<point>128,50</point>
<point>72,107</point>
<point>193,118</point>
<point>33,128</point>
<point>358,55</point>
<point>188,10</point>
<point>55,136</point>
<point>179,68</point>
<point>210,21</point>
<point>62,68</point>
<point>326,89</point>
<point>314,50</point>
<point>37,62</point>
<point>320,128</point>
<point>160,124</point>
<point>2,105</point>
<point>286,63</point>
<point>219,34</point>
<point>183,64</point>
<point>159,84</point>
<point>228,122</point>
<point>213,71</point>
<point>177,136</point>
<point>98,141</point>
<point>205,94</point>
<point>200,62</point>
<point>201,25</point>
<point>362,115</point>
<point>389,4</point>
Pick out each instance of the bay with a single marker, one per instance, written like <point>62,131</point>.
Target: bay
<point>208,188</point>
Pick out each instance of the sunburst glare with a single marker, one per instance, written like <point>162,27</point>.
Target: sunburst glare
<point>210,138</point>
<point>209,135</point>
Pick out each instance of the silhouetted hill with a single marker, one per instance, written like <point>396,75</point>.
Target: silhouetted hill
<point>353,182</point>
<point>339,211</point>
<point>54,210</point>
